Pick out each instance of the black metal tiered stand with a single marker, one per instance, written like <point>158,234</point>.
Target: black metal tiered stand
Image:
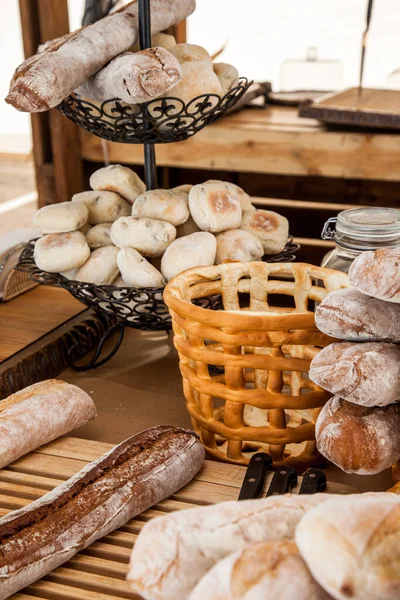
<point>158,121</point>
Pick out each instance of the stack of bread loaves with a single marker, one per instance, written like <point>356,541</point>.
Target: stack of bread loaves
<point>119,234</point>
<point>359,428</point>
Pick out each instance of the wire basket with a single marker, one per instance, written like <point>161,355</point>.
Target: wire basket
<point>160,121</point>
<point>138,308</point>
<point>263,399</point>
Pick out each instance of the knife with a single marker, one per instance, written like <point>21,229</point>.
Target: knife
<point>314,481</point>
<point>364,44</point>
<point>253,482</point>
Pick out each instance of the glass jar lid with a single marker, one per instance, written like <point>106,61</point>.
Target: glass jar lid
<point>368,227</point>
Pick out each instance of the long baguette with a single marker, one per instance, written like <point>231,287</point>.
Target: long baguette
<point>103,496</point>
<point>45,79</point>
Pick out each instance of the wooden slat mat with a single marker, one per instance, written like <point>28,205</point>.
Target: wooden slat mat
<point>98,573</point>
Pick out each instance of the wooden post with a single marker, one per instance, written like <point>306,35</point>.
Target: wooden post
<point>56,144</point>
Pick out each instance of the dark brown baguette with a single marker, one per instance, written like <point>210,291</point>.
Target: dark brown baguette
<point>103,496</point>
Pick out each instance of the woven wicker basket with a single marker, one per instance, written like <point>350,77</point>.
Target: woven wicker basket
<point>245,375</point>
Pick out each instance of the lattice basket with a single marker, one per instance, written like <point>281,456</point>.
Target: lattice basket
<point>262,343</point>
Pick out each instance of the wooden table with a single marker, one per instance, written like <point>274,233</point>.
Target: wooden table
<point>270,140</point>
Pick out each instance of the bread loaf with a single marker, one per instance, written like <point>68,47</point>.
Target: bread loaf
<point>136,271</point>
<point>165,205</point>
<point>101,267</point>
<point>237,244</point>
<point>60,218</point>
<point>134,77</point>
<point>198,79</point>
<point>228,76</point>
<point>103,207</point>
<point>186,53</point>
<point>260,571</point>
<point>150,237</point>
<point>215,207</point>
<point>119,179</point>
<point>45,79</point>
<point>103,496</point>
<point>348,314</point>
<point>39,414</point>
<point>352,546</point>
<point>60,252</point>
<point>359,439</point>
<point>270,227</point>
<point>99,236</point>
<point>378,274</point>
<point>367,374</point>
<point>195,250</point>
<point>174,552</point>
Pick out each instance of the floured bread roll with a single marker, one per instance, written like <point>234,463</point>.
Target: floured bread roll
<point>101,267</point>
<point>61,217</point>
<point>359,439</point>
<point>215,207</point>
<point>350,315</point>
<point>165,205</point>
<point>378,274</point>
<point>186,187</point>
<point>187,228</point>
<point>260,571</point>
<point>59,252</point>
<point>119,179</point>
<point>237,244</point>
<point>186,53</point>
<point>244,198</point>
<point>103,207</point>
<point>198,79</point>
<point>367,374</point>
<point>99,236</point>
<point>195,250</point>
<point>228,75</point>
<point>136,271</point>
<point>150,237</point>
<point>270,227</point>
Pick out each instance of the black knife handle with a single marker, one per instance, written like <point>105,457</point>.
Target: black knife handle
<point>284,479</point>
<point>314,481</point>
<point>254,478</point>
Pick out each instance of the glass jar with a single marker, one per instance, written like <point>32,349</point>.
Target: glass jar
<point>358,230</point>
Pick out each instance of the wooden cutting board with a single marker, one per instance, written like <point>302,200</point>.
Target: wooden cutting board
<point>98,573</point>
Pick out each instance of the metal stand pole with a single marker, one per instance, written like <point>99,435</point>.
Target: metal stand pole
<point>150,168</point>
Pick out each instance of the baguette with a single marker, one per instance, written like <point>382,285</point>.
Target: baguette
<point>39,414</point>
<point>103,496</point>
<point>45,79</point>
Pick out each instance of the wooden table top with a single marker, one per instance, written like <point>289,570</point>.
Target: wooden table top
<point>270,140</point>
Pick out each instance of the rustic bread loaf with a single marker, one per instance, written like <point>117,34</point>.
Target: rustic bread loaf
<point>186,53</point>
<point>101,267</point>
<point>215,207</point>
<point>39,414</point>
<point>174,552</point>
<point>270,227</point>
<point>367,374</point>
<point>352,546</point>
<point>228,76</point>
<point>195,250</point>
<point>103,496</point>
<point>378,274</point>
<point>60,218</point>
<point>237,244</point>
<point>165,205</point>
<point>119,179</point>
<point>103,207</point>
<point>350,315</point>
<point>359,439</point>
<point>136,271</point>
<point>58,252</point>
<point>99,236</point>
<point>150,237</point>
<point>260,571</point>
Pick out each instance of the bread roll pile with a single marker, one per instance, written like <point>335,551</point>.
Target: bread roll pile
<point>120,234</point>
<point>359,428</point>
<point>290,547</point>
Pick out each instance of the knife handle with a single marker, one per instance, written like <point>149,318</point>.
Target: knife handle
<point>314,481</point>
<point>284,479</point>
<point>254,478</point>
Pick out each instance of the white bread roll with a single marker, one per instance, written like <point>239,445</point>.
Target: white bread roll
<point>378,274</point>
<point>186,53</point>
<point>101,267</point>
<point>350,315</point>
<point>228,76</point>
<point>187,228</point>
<point>172,553</point>
<point>215,207</point>
<point>103,207</point>
<point>60,218</point>
<point>99,236</point>
<point>150,237</point>
<point>359,439</point>
<point>270,227</point>
<point>119,179</point>
<point>237,244</point>
<point>185,187</point>
<point>59,252</point>
<point>244,198</point>
<point>165,205</point>
<point>195,250</point>
<point>198,79</point>
<point>136,271</point>
<point>260,571</point>
<point>351,545</point>
<point>367,374</point>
